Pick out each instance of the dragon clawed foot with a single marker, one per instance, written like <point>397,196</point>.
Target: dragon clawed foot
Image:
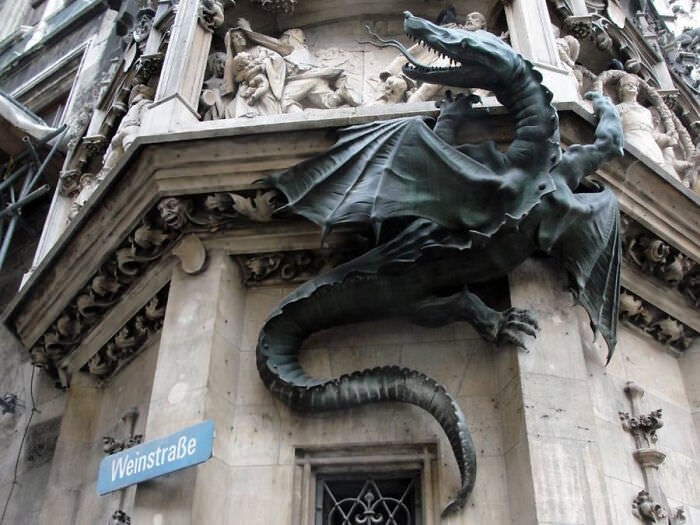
<point>514,325</point>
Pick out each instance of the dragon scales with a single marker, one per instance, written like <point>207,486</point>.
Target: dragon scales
<point>459,214</point>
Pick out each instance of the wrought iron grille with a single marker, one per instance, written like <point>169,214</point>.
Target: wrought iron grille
<point>369,499</point>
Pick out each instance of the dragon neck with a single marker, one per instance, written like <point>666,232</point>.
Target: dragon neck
<point>536,137</point>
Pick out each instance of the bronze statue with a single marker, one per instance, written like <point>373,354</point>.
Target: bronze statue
<point>446,216</point>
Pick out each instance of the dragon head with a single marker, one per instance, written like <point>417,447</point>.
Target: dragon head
<point>476,57</point>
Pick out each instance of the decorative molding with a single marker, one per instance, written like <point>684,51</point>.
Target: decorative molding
<point>291,266</point>
<point>285,7</point>
<point>649,505</point>
<point>120,518</point>
<point>130,340</point>
<point>660,261</point>
<point>668,331</point>
<point>159,232</point>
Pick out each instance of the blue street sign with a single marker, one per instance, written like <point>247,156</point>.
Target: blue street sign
<point>149,460</point>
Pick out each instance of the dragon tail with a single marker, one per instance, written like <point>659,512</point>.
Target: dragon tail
<point>279,367</point>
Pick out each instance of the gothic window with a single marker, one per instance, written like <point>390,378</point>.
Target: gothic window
<point>392,484</point>
<point>368,499</point>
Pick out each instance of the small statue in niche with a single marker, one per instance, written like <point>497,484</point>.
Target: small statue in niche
<point>568,49</point>
<point>214,97</point>
<point>474,21</point>
<point>140,96</point>
<point>271,66</point>
<point>88,184</point>
<point>651,130</point>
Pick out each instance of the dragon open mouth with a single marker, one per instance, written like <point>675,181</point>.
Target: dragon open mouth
<point>414,67</point>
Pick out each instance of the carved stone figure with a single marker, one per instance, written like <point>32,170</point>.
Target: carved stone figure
<point>214,97</point>
<point>411,173</point>
<point>88,184</point>
<point>210,14</point>
<point>272,75</point>
<point>568,49</point>
<point>309,85</point>
<point>394,89</point>
<point>665,142</point>
<point>271,71</point>
<point>128,129</point>
<point>637,121</point>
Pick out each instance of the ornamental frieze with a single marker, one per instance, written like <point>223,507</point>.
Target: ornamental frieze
<point>659,260</point>
<point>159,231</point>
<point>651,320</point>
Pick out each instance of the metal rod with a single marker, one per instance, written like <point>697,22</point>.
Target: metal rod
<point>39,192</point>
<point>6,240</point>
<point>13,177</point>
<point>43,165</point>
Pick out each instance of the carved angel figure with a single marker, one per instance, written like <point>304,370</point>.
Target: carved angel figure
<point>654,131</point>
<point>139,98</point>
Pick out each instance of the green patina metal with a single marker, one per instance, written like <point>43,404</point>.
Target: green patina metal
<point>446,216</point>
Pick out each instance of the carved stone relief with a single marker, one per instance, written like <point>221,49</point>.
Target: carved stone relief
<point>652,130</point>
<point>158,233</point>
<point>119,517</point>
<point>276,6</point>
<point>653,321</point>
<point>210,14</point>
<point>126,344</point>
<point>262,75</point>
<point>657,258</point>
<point>122,100</point>
<point>273,268</point>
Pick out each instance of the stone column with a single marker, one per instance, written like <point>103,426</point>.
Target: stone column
<point>531,35</point>
<point>74,464</point>
<point>195,380</point>
<point>553,462</point>
<point>177,96</point>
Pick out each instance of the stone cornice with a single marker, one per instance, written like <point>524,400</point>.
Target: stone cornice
<point>211,160</point>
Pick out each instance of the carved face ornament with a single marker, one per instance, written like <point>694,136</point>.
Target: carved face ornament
<point>238,41</point>
<point>475,21</point>
<point>628,89</point>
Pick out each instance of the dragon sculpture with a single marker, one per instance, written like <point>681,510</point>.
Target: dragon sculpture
<point>446,216</point>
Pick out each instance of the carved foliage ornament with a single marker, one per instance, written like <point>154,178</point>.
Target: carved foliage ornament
<point>665,329</point>
<point>659,259</point>
<point>126,344</point>
<point>157,233</point>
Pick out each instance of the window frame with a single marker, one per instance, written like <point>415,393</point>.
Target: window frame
<point>312,463</point>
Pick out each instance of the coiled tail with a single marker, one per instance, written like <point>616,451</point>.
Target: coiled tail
<point>278,365</point>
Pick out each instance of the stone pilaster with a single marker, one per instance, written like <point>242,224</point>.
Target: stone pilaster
<point>531,35</point>
<point>195,380</point>
<point>73,464</point>
<point>553,461</point>
<point>176,99</point>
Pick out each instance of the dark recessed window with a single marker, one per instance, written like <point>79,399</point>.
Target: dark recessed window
<point>368,499</point>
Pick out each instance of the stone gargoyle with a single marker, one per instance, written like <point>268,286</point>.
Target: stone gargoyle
<point>446,216</point>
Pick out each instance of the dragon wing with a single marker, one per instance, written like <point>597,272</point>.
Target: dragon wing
<point>401,168</point>
<point>590,250</point>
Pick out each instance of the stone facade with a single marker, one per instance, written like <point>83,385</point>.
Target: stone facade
<point>161,257</point>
